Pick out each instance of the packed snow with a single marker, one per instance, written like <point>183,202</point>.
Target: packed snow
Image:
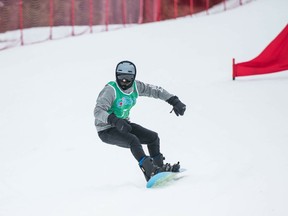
<point>232,140</point>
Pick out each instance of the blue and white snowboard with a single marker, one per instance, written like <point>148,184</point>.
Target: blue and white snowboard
<point>164,179</point>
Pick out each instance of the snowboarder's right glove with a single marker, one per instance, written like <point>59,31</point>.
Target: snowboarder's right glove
<point>178,107</point>
<point>121,124</point>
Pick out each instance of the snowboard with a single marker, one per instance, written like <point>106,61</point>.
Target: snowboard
<point>164,179</point>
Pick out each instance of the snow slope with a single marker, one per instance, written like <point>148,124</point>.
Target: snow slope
<point>232,139</point>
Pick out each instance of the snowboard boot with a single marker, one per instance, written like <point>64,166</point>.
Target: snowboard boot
<point>148,167</point>
<point>158,161</point>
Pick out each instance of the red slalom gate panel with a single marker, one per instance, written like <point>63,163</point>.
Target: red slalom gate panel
<point>274,58</point>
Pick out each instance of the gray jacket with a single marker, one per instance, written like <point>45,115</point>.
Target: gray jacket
<point>107,97</point>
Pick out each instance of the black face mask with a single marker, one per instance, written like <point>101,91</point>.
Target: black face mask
<point>125,81</point>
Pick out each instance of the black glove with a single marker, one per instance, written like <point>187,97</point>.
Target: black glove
<point>178,107</point>
<point>121,124</point>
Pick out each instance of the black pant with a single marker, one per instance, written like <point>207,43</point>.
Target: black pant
<point>133,140</point>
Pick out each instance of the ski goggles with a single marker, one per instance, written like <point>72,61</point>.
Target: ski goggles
<point>125,78</point>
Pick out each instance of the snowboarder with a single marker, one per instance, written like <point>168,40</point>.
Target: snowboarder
<point>114,127</point>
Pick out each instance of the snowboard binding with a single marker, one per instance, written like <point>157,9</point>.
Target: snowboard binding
<point>152,166</point>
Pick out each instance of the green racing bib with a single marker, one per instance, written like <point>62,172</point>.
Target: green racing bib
<point>123,102</point>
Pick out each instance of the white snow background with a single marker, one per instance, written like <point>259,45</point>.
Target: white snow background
<point>233,138</point>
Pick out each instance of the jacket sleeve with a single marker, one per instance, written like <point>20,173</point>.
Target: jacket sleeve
<point>152,91</point>
<point>104,103</point>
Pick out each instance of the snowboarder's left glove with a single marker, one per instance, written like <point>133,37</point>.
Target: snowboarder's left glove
<point>178,107</point>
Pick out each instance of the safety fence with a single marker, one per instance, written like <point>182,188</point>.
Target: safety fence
<point>32,21</point>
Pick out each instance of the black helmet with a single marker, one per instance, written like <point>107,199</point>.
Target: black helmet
<point>125,74</point>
